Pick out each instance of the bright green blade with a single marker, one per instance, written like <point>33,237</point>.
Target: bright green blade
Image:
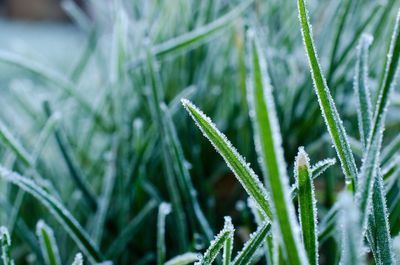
<point>48,243</point>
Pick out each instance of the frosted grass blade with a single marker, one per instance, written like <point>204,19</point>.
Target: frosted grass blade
<point>163,210</point>
<point>326,103</point>
<point>196,37</point>
<point>217,244</point>
<point>5,246</point>
<point>228,245</point>
<point>119,243</point>
<point>78,260</point>
<point>349,221</point>
<point>321,166</point>
<point>246,255</point>
<point>48,244</point>
<point>11,142</point>
<point>268,143</point>
<point>361,89</point>
<point>184,259</point>
<point>236,162</point>
<point>61,214</point>
<point>307,206</point>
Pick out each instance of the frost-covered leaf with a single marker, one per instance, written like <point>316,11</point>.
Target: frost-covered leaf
<point>5,246</point>
<point>48,243</point>
<point>245,256</point>
<point>307,205</point>
<point>228,245</point>
<point>325,100</point>
<point>236,162</point>
<point>268,143</point>
<point>78,260</point>
<point>217,243</point>
<point>61,214</point>
<point>361,89</point>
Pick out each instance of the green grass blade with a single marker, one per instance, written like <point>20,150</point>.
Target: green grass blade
<point>326,103</point>
<point>78,260</point>
<point>184,259</point>
<point>349,220</point>
<point>72,164</point>
<point>61,214</point>
<point>390,150</point>
<point>120,242</point>
<point>11,142</point>
<point>228,245</point>
<point>196,37</point>
<point>268,144</point>
<point>246,255</point>
<point>173,149</point>
<point>218,243</point>
<point>163,210</point>
<point>236,162</point>
<point>48,244</point>
<point>321,166</point>
<point>307,206</point>
<point>5,246</point>
<point>361,89</point>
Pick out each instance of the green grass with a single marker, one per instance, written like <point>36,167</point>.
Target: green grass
<point>100,162</point>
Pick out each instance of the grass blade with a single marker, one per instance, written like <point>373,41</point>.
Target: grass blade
<point>321,166</point>
<point>68,222</point>
<point>163,210</point>
<point>228,245</point>
<point>364,111</point>
<point>5,246</point>
<point>130,229</point>
<point>236,162</point>
<point>349,218</point>
<point>326,103</point>
<point>184,259</point>
<point>307,206</point>
<point>268,144</point>
<point>246,255</point>
<point>11,142</point>
<point>196,37</point>
<point>218,243</point>
<point>390,150</point>
<point>48,243</point>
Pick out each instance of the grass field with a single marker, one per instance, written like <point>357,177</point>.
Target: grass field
<point>182,131</point>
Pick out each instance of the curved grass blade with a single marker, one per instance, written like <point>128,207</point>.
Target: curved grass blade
<point>130,230</point>
<point>11,142</point>
<point>326,103</point>
<point>55,78</point>
<point>163,210</point>
<point>321,166</point>
<point>78,260</point>
<point>184,259</point>
<point>196,37</point>
<point>307,206</point>
<point>218,243</point>
<point>236,162</point>
<point>246,255</point>
<point>268,143</point>
<point>349,220</point>
<point>361,89</point>
<point>5,246</point>
<point>48,244</point>
<point>61,214</point>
